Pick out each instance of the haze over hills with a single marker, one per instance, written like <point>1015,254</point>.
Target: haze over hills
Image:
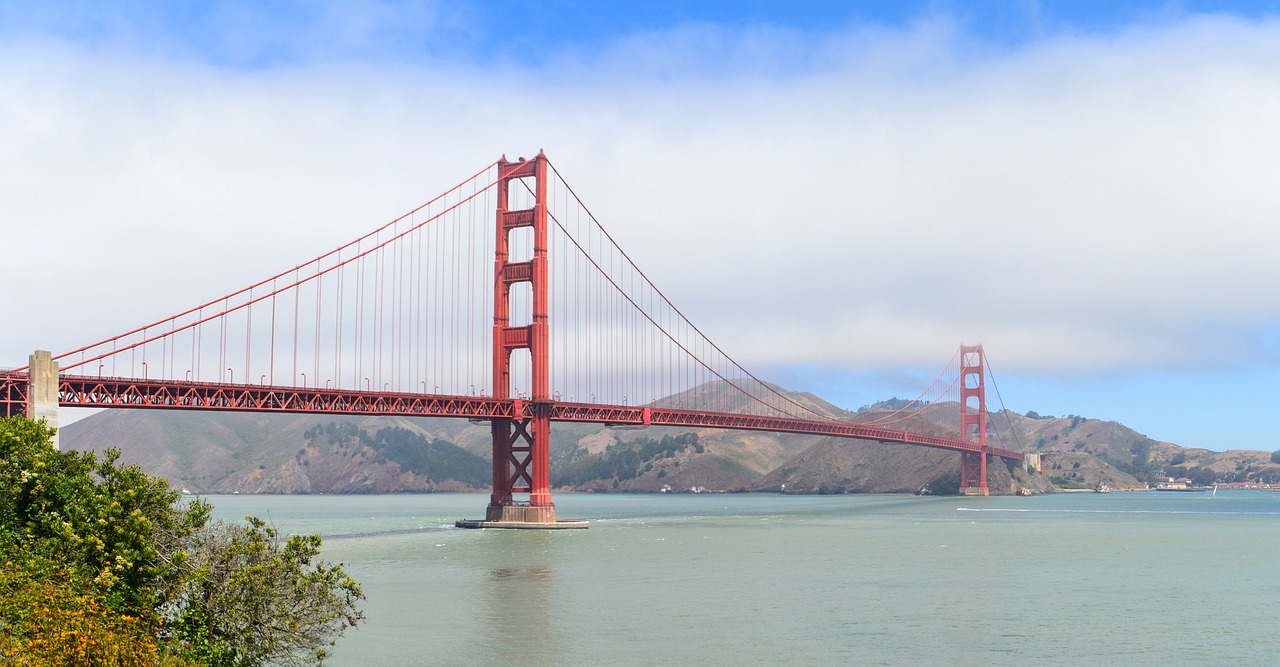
<point>213,452</point>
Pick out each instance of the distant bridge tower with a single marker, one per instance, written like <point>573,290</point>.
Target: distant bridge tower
<point>973,420</point>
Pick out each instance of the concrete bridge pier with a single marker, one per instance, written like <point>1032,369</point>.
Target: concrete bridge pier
<point>42,390</point>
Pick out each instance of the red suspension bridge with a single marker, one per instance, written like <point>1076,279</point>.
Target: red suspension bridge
<point>413,319</point>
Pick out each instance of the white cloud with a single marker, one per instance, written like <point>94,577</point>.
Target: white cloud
<point>1075,203</point>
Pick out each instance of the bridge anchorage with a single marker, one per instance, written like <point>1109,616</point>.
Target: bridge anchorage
<point>396,323</point>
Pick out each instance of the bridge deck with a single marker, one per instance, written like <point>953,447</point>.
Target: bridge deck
<point>103,392</point>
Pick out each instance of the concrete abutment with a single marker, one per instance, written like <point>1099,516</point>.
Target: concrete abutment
<point>42,392</point>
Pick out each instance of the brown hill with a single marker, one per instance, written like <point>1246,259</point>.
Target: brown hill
<point>272,453</point>
<point>836,465</point>
<point>1080,451</point>
<point>239,452</point>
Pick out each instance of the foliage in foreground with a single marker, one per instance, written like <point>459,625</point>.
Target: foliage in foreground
<point>52,616</point>
<point>253,599</point>
<point>104,565</point>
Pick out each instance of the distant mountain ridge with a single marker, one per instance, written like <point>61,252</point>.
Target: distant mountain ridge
<point>214,452</point>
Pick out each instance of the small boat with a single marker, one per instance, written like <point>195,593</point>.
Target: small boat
<point>1102,487</point>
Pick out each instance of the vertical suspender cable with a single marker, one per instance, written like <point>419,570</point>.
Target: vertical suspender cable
<point>248,327</point>
<point>297,296</point>
<point>316,339</point>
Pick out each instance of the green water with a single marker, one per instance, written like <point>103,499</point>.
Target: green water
<point>1120,578</point>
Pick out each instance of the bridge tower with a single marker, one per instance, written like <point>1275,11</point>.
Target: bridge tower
<point>521,442</point>
<point>973,420</point>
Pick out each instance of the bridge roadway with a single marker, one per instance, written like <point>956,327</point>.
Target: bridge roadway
<point>106,392</point>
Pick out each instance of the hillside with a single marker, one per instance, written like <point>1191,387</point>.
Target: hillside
<point>836,465</point>
<point>1081,451</point>
<point>283,453</point>
<point>210,452</point>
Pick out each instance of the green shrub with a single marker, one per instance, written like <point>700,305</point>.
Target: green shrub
<point>104,565</point>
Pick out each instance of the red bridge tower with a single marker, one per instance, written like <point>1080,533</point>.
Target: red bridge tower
<point>973,420</point>
<point>521,442</point>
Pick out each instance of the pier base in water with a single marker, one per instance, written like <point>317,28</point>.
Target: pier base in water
<point>525,517</point>
<point>521,516</point>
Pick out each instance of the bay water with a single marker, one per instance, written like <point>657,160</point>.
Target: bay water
<point>729,579</point>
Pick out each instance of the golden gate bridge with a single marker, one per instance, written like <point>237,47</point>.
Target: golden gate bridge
<point>502,300</point>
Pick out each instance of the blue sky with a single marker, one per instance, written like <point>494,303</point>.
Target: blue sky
<point>482,34</point>
<point>1087,188</point>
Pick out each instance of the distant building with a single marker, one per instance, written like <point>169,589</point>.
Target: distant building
<point>1172,483</point>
